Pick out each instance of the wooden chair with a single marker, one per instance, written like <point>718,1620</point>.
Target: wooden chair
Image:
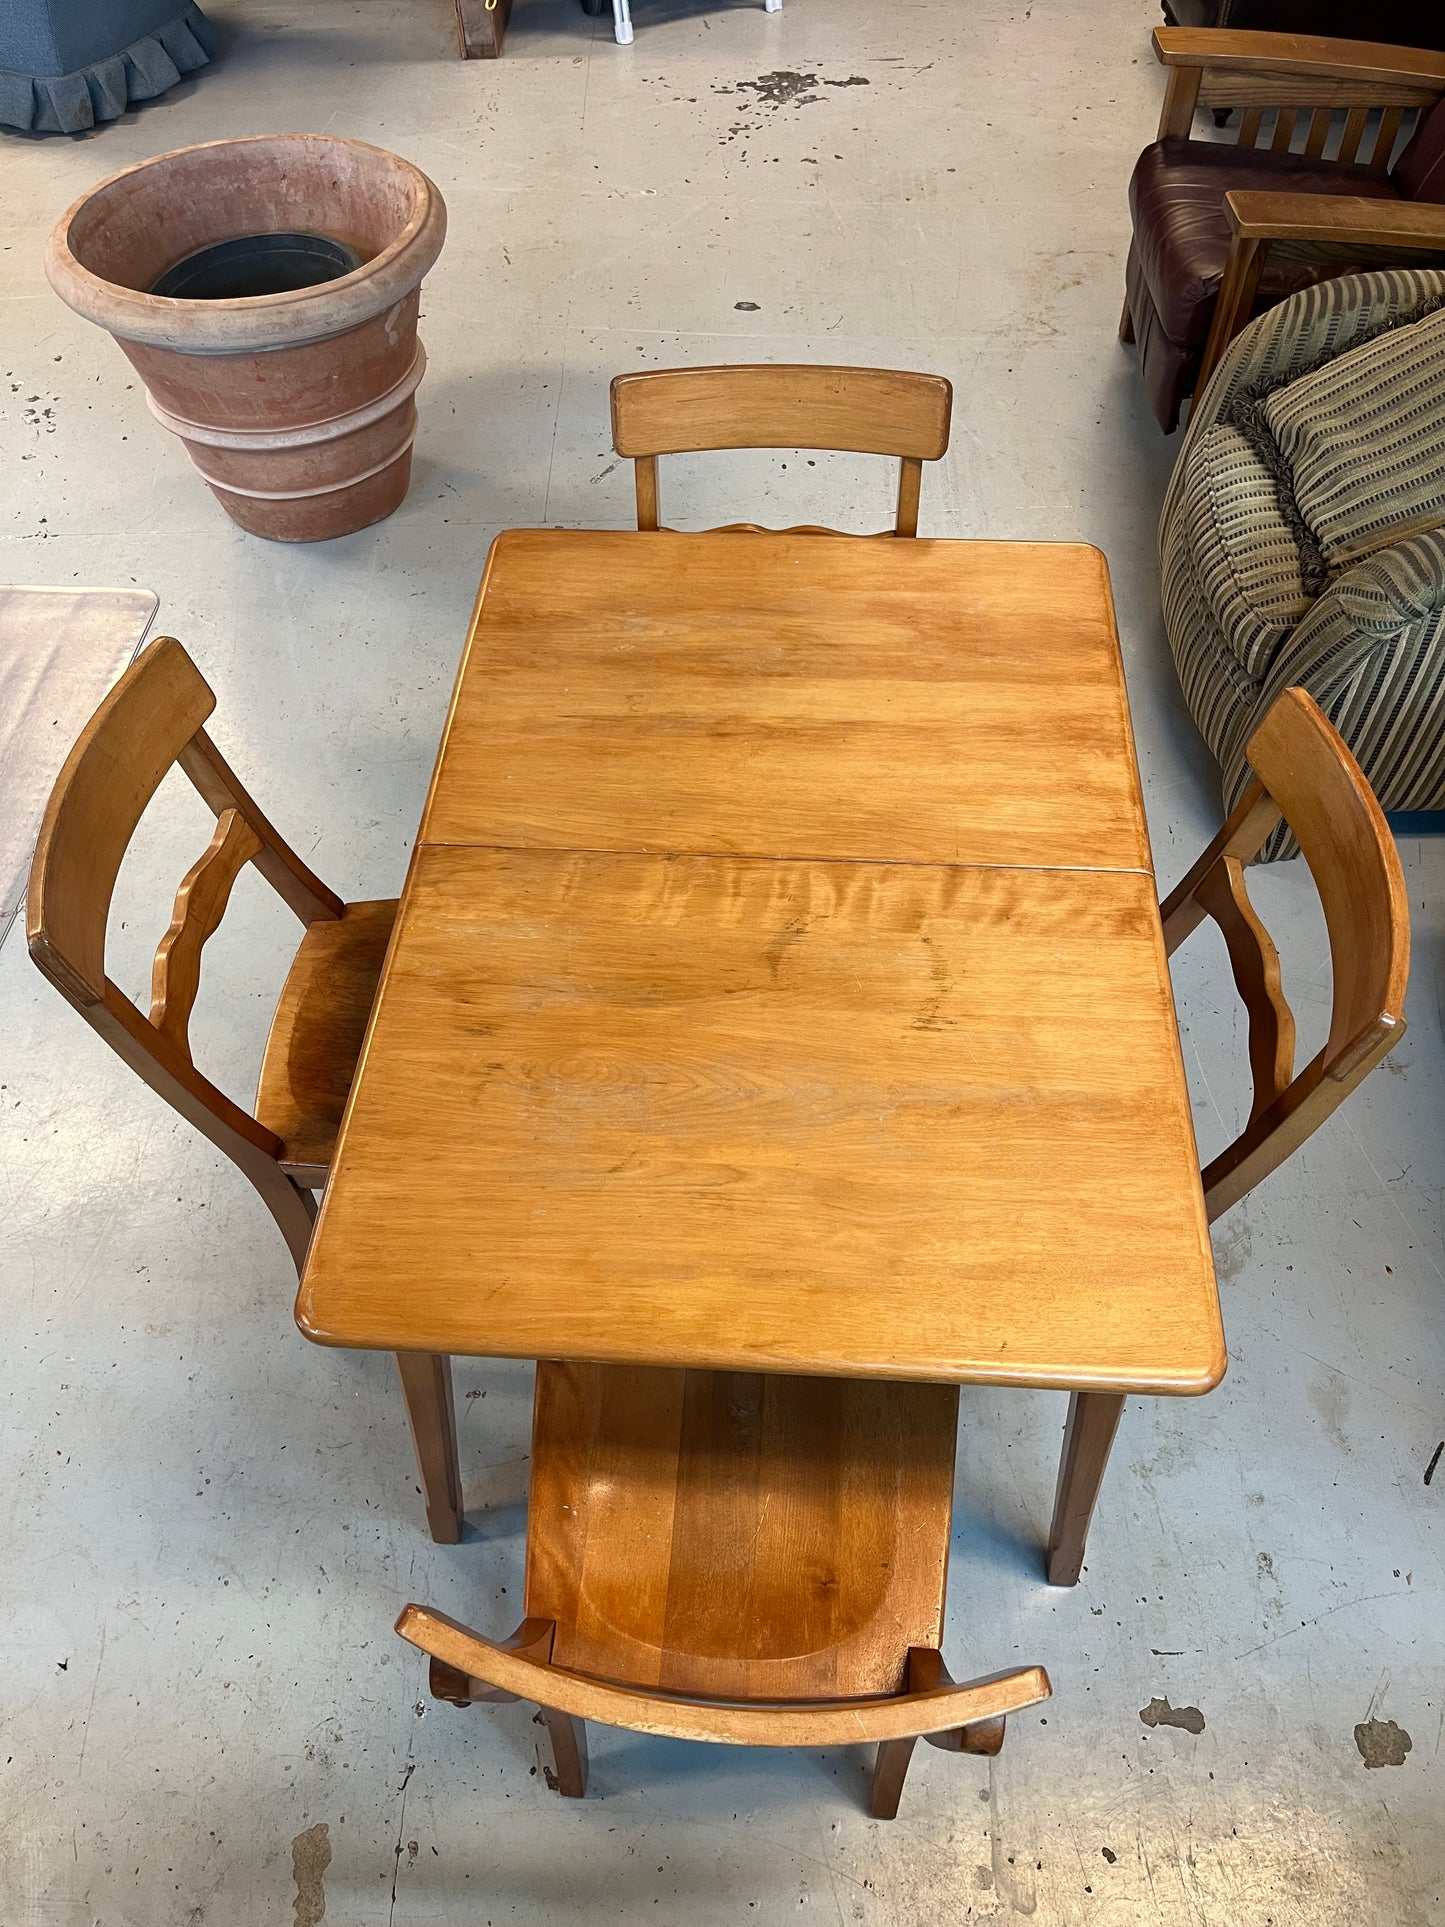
<point>724,1556</point>
<point>1221,232</point>
<point>149,722</point>
<point>1306,777</point>
<point>864,411</point>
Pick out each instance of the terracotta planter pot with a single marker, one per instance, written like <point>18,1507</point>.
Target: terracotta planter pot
<point>297,407</point>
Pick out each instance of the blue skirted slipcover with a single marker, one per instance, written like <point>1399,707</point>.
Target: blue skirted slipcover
<point>66,64</point>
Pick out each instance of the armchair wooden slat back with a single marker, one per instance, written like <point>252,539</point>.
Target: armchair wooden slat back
<point>864,411</point>
<point>1306,776</point>
<point>1280,79</point>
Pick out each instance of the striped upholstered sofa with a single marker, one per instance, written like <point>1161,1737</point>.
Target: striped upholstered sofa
<point>1303,534</point>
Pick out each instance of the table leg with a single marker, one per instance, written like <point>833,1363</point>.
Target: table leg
<point>1093,1420</point>
<point>426,1385</point>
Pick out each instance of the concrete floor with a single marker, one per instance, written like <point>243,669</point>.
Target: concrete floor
<point>208,1525</point>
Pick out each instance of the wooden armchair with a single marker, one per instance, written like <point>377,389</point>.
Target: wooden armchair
<point>1222,231</point>
<point>758,1561</point>
<point>865,411</point>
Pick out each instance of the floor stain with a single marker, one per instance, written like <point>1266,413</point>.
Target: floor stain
<point>782,89</point>
<point>1330,1397</point>
<point>1188,1719</point>
<point>1232,1250</point>
<point>310,1857</point>
<point>1382,1743</point>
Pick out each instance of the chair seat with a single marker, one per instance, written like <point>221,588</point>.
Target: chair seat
<point>1182,234</point>
<point>735,1536</point>
<point>317,1033</point>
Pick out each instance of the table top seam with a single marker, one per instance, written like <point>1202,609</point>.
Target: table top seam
<point>763,856</point>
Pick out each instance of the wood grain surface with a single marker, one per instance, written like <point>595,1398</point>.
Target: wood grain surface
<point>871,1120</point>
<point>952,702</point>
<point>736,1536</point>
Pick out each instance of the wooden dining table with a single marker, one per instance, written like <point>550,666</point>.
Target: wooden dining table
<point>778,986</point>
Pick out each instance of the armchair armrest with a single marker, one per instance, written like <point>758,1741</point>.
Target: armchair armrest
<point>1300,54</point>
<point>1345,219</point>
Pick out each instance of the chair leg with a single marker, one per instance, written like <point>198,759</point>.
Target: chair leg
<point>569,1751</point>
<point>890,1770</point>
<point>1126,323</point>
<point>290,1204</point>
<point>426,1384</point>
<point>1088,1435</point>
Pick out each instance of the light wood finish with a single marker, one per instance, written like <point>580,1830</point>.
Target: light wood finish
<point>841,1723</point>
<point>771,1107</point>
<point>740,1559</point>
<point>426,1384</point>
<point>481,27</point>
<point>200,904</point>
<point>1307,776</point>
<point>317,1033</point>
<point>1088,1435</point>
<point>150,723</point>
<point>883,1120</point>
<point>865,411</point>
<point>731,1536</point>
<point>773,695</point>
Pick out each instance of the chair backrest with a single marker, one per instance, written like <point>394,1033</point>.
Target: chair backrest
<point>1306,776</point>
<point>865,411</point>
<point>151,721</point>
<point>1285,84</point>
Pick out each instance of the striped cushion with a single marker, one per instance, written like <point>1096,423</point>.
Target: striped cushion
<point>1364,439</point>
<point>1241,548</point>
<point>1371,648</point>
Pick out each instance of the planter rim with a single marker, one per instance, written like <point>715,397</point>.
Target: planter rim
<point>260,322</point>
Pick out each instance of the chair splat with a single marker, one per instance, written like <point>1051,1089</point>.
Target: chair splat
<point>201,901</point>
<point>1255,964</point>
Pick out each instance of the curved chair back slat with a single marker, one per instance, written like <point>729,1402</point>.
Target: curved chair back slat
<point>524,1675</point>
<point>863,411</point>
